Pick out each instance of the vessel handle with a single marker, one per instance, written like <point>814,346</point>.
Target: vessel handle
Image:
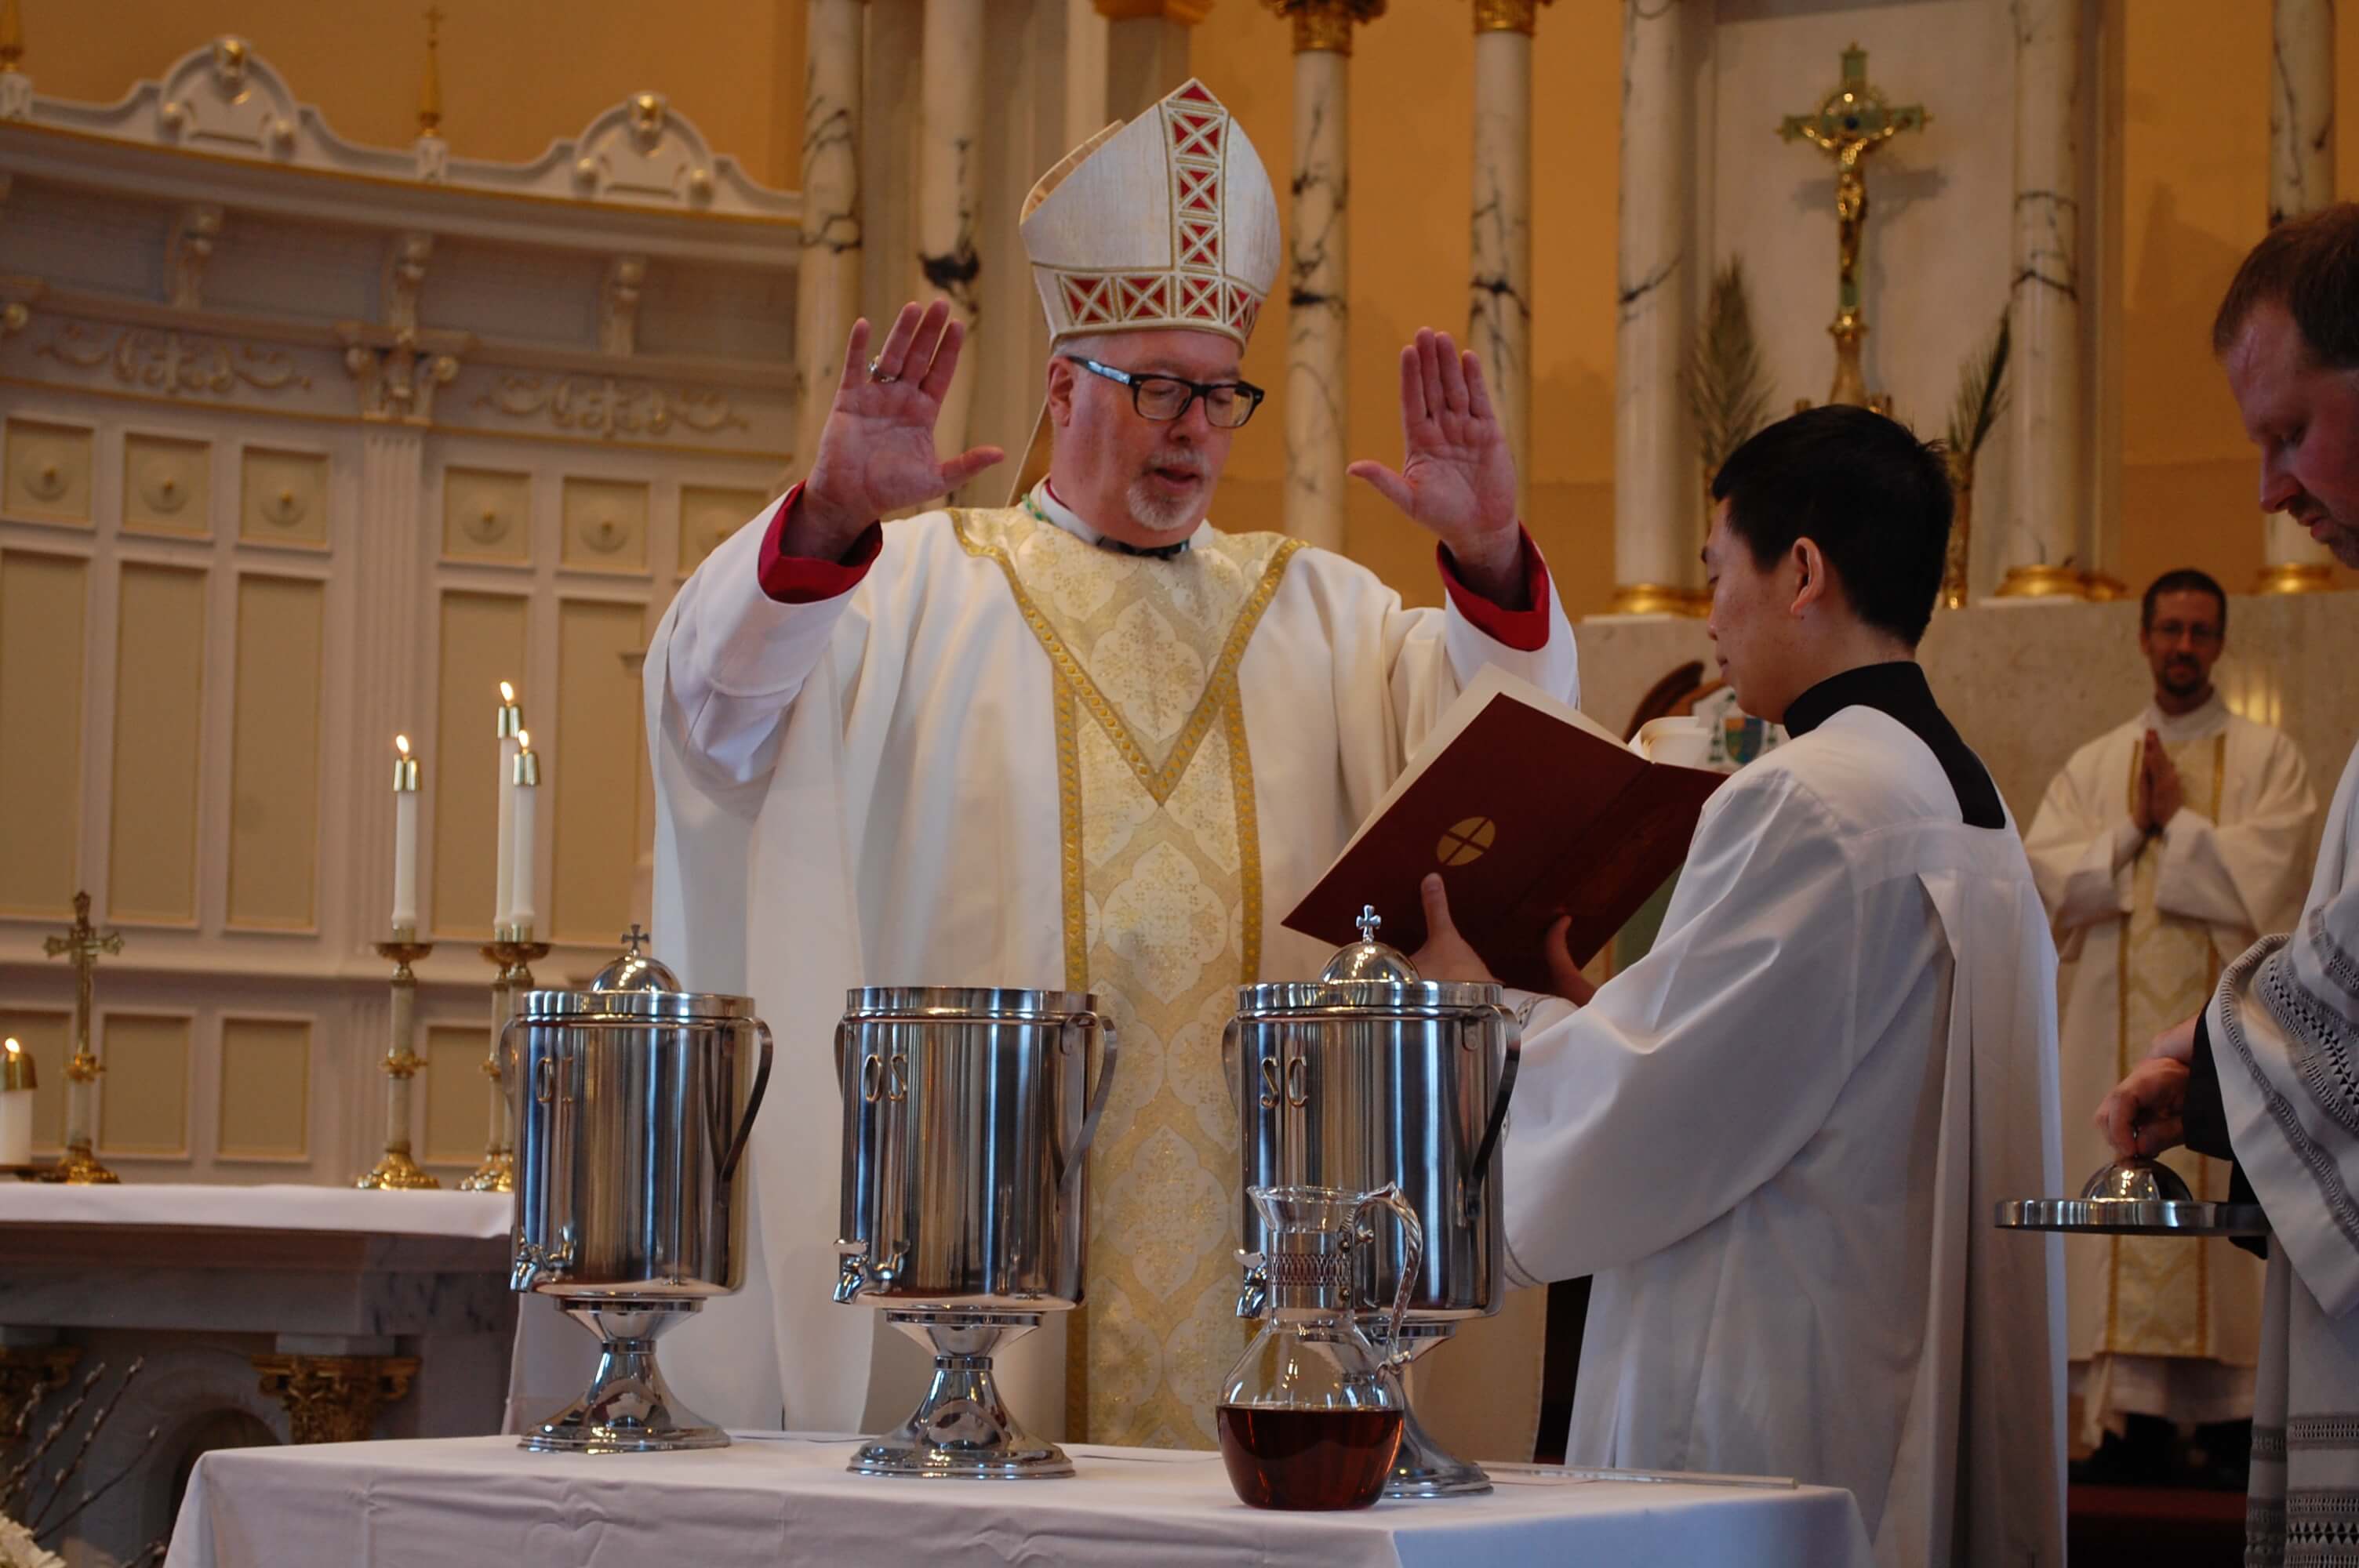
<point>1413,1260</point>
<point>843,1046</point>
<point>1229,1068</point>
<point>753,1104</point>
<point>1470,1203</point>
<point>1073,1160</point>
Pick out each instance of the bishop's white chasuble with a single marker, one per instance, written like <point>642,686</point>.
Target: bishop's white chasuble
<point>1010,758</point>
<point>1163,921</point>
<point>2159,1325</point>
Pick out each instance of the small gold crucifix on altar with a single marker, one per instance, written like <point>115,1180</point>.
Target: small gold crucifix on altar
<point>1851,123</point>
<point>81,945</point>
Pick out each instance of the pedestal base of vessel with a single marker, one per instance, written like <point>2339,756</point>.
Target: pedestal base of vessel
<point>963,1429</point>
<point>628,1408</point>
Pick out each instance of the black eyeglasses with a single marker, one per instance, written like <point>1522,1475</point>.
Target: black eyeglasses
<point>1227,403</point>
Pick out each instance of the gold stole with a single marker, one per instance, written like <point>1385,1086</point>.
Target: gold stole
<point>1162,880</point>
<point>2159,1289</point>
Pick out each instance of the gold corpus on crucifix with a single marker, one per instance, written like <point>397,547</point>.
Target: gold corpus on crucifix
<point>1851,123</point>
<point>81,945</point>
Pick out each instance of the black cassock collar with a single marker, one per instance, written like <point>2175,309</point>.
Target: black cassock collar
<point>1898,688</point>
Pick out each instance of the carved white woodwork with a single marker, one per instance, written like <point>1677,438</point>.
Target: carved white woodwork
<point>227,100</point>
<point>193,234</point>
<point>618,319</point>
<point>598,379</point>
<point>405,274</point>
<point>397,371</point>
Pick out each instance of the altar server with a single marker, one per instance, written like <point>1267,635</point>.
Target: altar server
<point>2164,848</point>
<point>2264,1074</point>
<point>1084,741</point>
<point>1776,1140</point>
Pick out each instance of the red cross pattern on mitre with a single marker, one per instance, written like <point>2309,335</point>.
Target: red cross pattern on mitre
<point>1178,205</point>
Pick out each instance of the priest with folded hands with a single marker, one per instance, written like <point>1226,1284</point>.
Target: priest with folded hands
<point>1776,1140</point>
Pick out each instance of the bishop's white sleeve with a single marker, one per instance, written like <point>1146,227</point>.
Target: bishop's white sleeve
<point>1698,1072</point>
<point>738,658</point>
<point>2249,875</point>
<point>1533,643</point>
<point>2078,847</point>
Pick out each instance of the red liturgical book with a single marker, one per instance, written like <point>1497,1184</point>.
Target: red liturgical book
<point>1529,809</point>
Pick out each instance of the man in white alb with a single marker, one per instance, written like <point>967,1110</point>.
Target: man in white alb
<point>1086,741</point>
<point>1776,1140</point>
<point>2265,1074</point>
<point>2164,848</point>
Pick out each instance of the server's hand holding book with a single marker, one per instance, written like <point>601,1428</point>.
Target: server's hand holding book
<point>1530,810</point>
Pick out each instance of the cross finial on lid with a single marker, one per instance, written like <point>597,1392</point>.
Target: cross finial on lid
<point>1368,921</point>
<point>634,938</point>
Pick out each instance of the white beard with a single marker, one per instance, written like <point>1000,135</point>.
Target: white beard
<point>1157,514</point>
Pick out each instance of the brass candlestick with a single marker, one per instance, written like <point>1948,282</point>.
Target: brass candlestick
<point>81,944</point>
<point>512,955</point>
<point>397,1171</point>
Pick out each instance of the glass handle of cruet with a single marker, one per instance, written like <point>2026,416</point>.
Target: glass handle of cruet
<point>1412,1259</point>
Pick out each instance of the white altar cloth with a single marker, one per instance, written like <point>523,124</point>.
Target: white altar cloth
<point>283,1206</point>
<point>776,1498</point>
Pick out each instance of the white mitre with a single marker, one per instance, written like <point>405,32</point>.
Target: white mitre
<point>1167,221</point>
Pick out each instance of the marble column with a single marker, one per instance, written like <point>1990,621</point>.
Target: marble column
<point>950,186</point>
<point>826,287</point>
<point>2302,180</point>
<point>2047,418</point>
<point>1499,313</point>
<point>1318,266</point>
<point>1146,50</point>
<point>1657,479</point>
<point>1087,37</point>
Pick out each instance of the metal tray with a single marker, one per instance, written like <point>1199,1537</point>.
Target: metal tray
<point>2130,1217</point>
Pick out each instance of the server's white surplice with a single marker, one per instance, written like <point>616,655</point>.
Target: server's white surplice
<point>1776,1140</point>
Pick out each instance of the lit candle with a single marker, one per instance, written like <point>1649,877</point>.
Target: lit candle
<point>405,841</point>
<point>16,1106</point>
<point>526,781</point>
<point>510,725</point>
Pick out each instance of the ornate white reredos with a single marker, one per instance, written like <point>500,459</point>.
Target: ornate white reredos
<point>207,241</point>
<point>226,101</point>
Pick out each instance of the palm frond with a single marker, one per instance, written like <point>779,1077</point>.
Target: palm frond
<point>1726,393</point>
<point>1981,397</point>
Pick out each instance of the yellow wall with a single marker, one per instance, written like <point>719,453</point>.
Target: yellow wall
<point>2195,198</point>
<point>518,72</point>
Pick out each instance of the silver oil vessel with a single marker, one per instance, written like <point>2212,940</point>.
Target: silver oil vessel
<point>1371,1077</point>
<point>968,1114</point>
<point>633,1102</point>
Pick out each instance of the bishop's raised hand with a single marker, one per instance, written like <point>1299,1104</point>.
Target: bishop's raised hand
<point>1457,477</point>
<point>876,452</point>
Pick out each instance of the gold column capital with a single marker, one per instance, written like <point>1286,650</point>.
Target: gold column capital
<point>1187,13</point>
<point>1509,16</point>
<point>2296,577</point>
<point>2042,583</point>
<point>1659,599</point>
<point>1325,25</point>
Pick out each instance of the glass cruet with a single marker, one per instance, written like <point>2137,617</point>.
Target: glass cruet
<point>1310,1416</point>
